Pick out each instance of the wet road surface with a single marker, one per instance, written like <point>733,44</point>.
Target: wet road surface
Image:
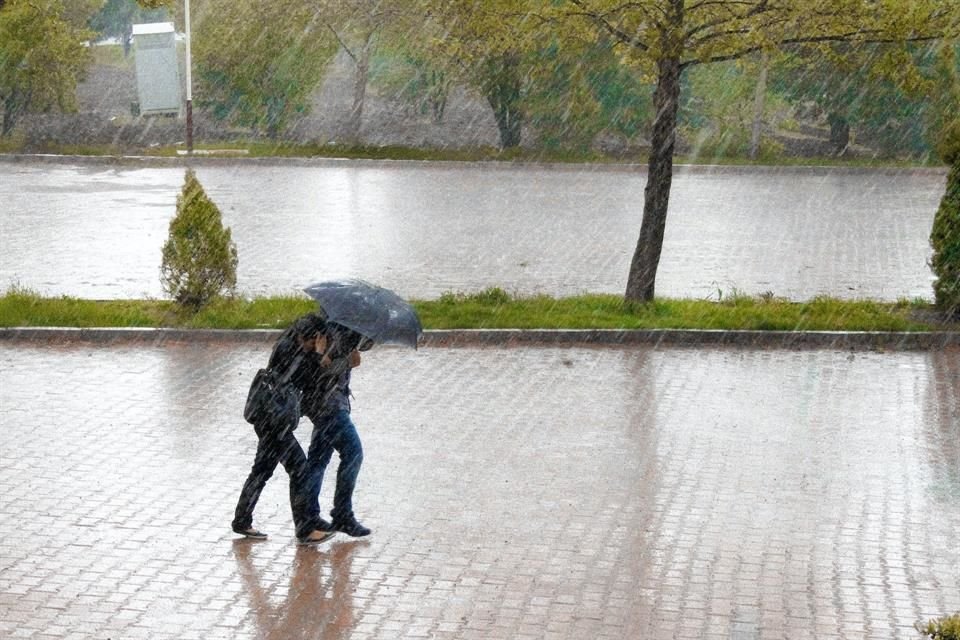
<point>96,231</point>
<point>514,493</point>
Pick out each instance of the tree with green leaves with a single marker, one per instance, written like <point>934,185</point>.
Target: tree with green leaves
<point>578,90</point>
<point>412,76</point>
<point>358,26</point>
<point>117,17</point>
<point>945,235</point>
<point>865,95</point>
<point>724,107</point>
<point>42,56</point>
<point>485,45</point>
<point>257,61</point>
<point>199,257</point>
<point>667,37</point>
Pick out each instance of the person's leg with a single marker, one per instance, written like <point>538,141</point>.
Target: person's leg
<point>264,463</point>
<point>318,457</point>
<point>348,446</point>
<point>295,464</point>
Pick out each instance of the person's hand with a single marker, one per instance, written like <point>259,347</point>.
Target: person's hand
<point>354,359</point>
<point>322,349</point>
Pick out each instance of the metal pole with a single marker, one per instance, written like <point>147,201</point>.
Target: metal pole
<point>186,11</point>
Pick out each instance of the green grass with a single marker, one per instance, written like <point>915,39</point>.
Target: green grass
<point>494,309</point>
<point>280,149</point>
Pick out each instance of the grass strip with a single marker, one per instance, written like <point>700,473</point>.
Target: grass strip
<point>493,309</point>
<point>258,148</point>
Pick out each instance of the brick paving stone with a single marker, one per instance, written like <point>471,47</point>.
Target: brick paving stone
<point>534,492</point>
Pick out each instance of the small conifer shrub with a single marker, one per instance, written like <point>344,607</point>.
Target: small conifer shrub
<point>945,235</point>
<point>199,256</point>
<point>946,628</point>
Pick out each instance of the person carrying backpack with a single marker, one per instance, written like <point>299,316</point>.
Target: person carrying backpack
<point>298,351</point>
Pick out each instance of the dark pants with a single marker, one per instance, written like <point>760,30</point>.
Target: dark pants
<point>277,446</point>
<point>334,432</point>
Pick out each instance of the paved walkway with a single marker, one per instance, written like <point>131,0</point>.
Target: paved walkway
<point>533,492</point>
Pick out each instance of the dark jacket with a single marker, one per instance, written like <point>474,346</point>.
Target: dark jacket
<point>325,389</point>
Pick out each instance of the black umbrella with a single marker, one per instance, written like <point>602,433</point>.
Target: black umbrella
<point>374,312</point>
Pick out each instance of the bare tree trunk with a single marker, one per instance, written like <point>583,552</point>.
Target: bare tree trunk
<point>7,123</point>
<point>839,133</point>
<point>14,104</point>
<point>646,257</point>
<point>758,105</point>
<point>502,88</point>
<point>360,77</point>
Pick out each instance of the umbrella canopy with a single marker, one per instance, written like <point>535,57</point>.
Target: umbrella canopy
<point>374,312</point>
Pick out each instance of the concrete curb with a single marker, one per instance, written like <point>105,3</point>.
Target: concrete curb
<point>847,340</point>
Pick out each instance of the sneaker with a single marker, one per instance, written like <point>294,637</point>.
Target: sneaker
<point>316,537</point>
<point>352,528</point>
<point>250,532</point>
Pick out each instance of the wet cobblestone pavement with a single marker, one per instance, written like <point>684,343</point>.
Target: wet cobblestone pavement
<point>528,492</point>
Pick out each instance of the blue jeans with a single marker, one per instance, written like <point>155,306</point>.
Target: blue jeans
<point>334,432</point>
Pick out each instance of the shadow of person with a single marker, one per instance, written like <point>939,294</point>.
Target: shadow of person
<point>318,603</point>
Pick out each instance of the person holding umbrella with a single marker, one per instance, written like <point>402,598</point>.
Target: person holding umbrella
<point>297,352</point>
<point>358,316</point>
<point>327,403</point>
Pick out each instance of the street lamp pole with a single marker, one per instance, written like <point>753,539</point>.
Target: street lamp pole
<point>186,11</point>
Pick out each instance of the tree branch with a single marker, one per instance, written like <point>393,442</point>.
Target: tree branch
<point>723,3</point>
<point>731,32</point>
<point>849,37</point>
<point>342,43</point>
<point>601,21</point>
<point>755,9</point>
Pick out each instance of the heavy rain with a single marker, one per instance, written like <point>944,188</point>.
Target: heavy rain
<point>195,196</point>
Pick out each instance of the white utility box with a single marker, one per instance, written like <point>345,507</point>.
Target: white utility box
<point>158,74</point>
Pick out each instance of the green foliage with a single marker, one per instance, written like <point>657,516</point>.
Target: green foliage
<point>576,91</point>
<point>156,4</point>
<point>258,61</point>
<point>117,17</point>
<point>199,257</point>
<point>42,56</point>
<point>716,110</point>
<point>485,45</point>
<point>893,99</point>
<point>412,77</point>
<point>945,240</point>
<point>948,144</point>
<point>946,628</point>
<point>500,80</point>
<point>943,119</point>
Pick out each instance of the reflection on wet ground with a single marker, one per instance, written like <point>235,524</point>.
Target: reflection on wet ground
<point>318,596</point>
<point>514,492</point>
<point>427,228</point>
